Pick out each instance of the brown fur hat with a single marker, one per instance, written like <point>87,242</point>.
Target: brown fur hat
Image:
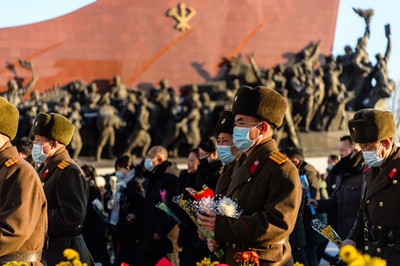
<point>260,102</point>
<point>53,126</point>
<point>225,123</point>
<point>370,125</point>
<point>9,118</point>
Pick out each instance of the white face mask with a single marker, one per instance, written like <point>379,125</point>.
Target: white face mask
<point>372,157</point>
<point>148,164</point>
<point>37,154</point>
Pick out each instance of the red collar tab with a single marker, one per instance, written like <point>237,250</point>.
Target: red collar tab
<point>254,167</point>
<point>393,172</point>
<point>366,170</point>
<point>45,173</point>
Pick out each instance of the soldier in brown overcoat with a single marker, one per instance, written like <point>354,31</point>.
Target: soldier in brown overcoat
<point>23,207</point>
<point>376,230</point>
<point>265,183</point>
<point>64,184</point>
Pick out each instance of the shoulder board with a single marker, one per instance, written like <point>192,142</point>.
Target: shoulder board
<point>63,165</point>
<point>278,157</point>
<point>11,161</point>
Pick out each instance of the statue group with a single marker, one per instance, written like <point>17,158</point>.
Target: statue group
<point>126,120</point>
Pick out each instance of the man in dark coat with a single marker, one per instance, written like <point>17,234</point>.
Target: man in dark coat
<point>265,183</point>
<point>160,231</point>
<point>346,197</point>
<point>304,239</point>
<point>377,228</point>
<point>23,207</point>
<point>64,184</point>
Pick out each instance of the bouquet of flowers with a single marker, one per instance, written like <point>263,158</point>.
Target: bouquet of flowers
<point>326,231</point>
<point>205,201</point>
<point>316,223</point>
<point>72,258</point>
<point>247,258</point>
<point>162,205</point>
<point>352,257</point>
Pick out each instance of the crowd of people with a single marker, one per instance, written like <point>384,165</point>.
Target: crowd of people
<point>49,203</point>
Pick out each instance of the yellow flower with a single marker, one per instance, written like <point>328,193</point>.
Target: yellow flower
<point>76,262</point>
<point>376,261</point>
<point>348,253</point>
<point>298,264</point>
<point>359,261</point>
<point>64,263</point>
<point>71,254</point>
<point>207,262</point>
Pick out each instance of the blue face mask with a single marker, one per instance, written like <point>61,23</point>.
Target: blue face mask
<point>119,175</point>
<point>372,157</point>
<point>38,155</point>
<point>330,166</point>
<point>241,138</point>
<point>148,164</point>
<point>225,154</point>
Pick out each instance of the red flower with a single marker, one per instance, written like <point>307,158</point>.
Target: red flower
<point>203,194</point>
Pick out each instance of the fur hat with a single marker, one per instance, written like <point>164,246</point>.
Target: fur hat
<point>370,125</point>
<point>53,126</point>
<point>225,123</point>
<point>260,102</point>
<point>9,117</point>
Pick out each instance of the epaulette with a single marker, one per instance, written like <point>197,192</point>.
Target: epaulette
<point>63,165</point>
<point>278,157</point>
<point>11,161</point>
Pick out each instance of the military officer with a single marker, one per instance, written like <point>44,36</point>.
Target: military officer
<point>265,183</point>
<point>377,228</point>
<point>64,185</point>
<point>23,207</point>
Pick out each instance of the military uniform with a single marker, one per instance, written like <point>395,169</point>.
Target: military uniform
<point>67,194</point>
<point>378,224</point>
<point>266,186</point>
<point>65,187</point>
<point>23,212</point>
<point>377,227</point>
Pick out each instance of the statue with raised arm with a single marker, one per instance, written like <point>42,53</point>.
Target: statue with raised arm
<point>14,93</point>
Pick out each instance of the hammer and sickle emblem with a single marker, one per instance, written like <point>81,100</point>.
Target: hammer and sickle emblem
<point>182,16</point>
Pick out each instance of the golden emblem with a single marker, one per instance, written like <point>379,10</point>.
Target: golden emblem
<point>223,121</point>
<point>182,15</point>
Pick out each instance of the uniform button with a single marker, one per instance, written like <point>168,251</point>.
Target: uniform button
<point>366,248</point>
<point>379,227</point>
<point>394,182</point>
<point>234,246</point>
<point>367,201</point>
<point>378,250</point>
<point>248,180</point>
<point>381,204</point>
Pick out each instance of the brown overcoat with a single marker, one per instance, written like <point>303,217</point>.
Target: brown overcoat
<point>23,207</point>
<point>267,187</point>
<point>379,211</point>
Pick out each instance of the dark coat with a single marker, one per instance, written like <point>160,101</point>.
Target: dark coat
<point>313,238</point>
<point>67,194</point>
<point>267,187</point>
<point>132,200</point>
<point>208,174</point>
<point>193,249</point>
<point>94,228</point>
<point>155,220</point>
<point>345,199</point>
<point>380,210</point>
<point>23,215</point>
